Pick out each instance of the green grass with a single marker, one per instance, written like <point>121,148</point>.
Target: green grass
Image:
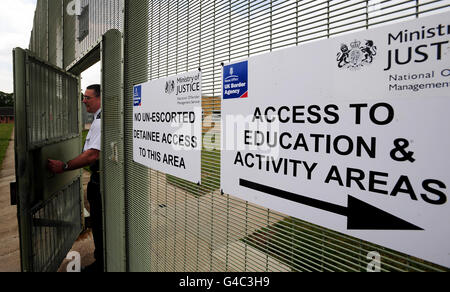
<point>5,136</point>
<point>84,133</point>
<point>304,246</point>
<point>210,176</point>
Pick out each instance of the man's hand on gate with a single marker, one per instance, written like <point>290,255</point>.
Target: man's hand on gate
<point>55,166</point>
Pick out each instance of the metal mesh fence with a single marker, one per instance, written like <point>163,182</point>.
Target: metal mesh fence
<point>173,225</point>
<point>112,151</point>
<point>55,33</point>
<point>137,202</point>
<point>56,225</point>
<point>102,16</point>
<point>52,98</point>
<point>56,37</point>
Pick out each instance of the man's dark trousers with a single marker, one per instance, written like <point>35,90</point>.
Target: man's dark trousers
<point>95,202</point>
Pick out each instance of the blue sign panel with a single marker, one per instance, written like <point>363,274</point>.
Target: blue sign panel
<point>137,95</point>
<point>235,80</point>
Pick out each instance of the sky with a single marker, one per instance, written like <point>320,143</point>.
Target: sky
<point>16,23</point>
<point>90,76</point>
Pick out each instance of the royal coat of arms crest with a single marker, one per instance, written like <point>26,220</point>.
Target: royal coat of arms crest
<point>170,87</point>
<point>357,55</point>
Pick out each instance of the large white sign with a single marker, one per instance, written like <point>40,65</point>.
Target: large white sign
<point>167,121</point>
<point>350,133</point>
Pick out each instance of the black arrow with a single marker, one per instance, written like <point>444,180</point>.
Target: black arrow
<point>360,215</point>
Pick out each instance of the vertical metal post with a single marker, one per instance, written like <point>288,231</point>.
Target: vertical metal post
<point>23,159</point>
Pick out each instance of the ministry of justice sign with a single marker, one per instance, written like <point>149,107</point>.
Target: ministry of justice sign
<point>167,121</point>
<point>350,133</point>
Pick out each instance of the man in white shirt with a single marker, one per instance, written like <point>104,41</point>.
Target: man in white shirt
<point>90,157</point>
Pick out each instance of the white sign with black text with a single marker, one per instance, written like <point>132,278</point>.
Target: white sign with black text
<point>167,121</point>
<point>350,133</point>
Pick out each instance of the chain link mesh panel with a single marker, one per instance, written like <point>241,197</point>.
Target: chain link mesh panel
<point>173,225</point>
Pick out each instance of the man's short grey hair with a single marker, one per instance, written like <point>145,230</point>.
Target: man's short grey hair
<point>96,88</point>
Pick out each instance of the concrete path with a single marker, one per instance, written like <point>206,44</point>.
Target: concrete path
<point>9,231</point>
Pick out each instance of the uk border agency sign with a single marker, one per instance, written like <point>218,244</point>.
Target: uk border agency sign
<point>350,133</point>
<point>167,121</point>
<point>235,81</point>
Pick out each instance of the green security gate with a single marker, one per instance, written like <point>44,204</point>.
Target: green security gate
<point>47,108</point>
<point>108,50</point>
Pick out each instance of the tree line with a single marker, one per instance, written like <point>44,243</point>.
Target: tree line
<point>6,99</point>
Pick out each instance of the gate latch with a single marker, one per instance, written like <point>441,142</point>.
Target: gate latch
<point>13,192</point>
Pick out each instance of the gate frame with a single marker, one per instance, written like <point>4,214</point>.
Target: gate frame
<point>97,54</point>
<point>26,201</point>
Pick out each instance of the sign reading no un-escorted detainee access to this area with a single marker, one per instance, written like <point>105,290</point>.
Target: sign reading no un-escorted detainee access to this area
<point>349,133</point>
<point>167,125</point>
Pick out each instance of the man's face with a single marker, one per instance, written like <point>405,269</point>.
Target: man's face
<point>91,102</point>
